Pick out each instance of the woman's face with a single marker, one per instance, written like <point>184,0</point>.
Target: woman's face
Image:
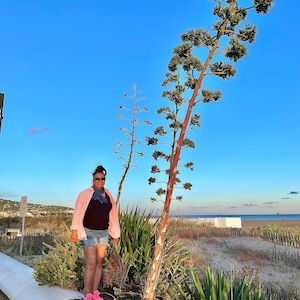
<point>99,180</point>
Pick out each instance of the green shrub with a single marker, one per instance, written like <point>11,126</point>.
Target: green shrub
<point>128,264</point>
<point>219,287</point>
<point>62,265</point>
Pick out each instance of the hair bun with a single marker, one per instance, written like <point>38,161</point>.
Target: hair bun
<point>100,169</point>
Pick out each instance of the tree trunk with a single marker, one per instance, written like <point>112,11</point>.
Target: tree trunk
<point>152,280</point>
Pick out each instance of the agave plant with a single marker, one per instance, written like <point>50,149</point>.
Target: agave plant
<point>219,287</point>
<point>128,263</point>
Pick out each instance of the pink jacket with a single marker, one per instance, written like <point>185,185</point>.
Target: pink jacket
<point>81,205</point>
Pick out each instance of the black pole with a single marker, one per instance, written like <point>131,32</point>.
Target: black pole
<point>1,109</point>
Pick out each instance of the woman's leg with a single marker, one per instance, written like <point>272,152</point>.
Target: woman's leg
<point>90,267</point>
<point>100,255</point>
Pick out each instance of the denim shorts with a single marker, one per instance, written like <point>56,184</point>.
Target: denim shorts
<point>95,237</point>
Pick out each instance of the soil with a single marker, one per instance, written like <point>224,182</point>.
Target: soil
<point>272,265</point>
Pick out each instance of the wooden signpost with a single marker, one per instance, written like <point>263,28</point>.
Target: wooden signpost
<point>23,210</point>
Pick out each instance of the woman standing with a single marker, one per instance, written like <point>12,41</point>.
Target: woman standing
<point>95,217</point>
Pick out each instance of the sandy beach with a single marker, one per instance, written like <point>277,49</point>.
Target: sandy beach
<point>272,264</point>
<point>268,262</point>
<point>262,223</point>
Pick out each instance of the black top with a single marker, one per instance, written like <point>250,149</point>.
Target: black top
<point>97,214</point>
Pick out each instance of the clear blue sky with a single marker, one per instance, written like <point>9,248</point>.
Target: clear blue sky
<point>65,66</point>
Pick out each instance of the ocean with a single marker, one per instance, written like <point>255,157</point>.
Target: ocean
<point>248,217</point>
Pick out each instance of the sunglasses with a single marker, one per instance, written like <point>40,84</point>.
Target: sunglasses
<point>103,179</point>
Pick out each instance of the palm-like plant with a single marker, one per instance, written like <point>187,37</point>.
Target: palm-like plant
<point>220,287</point>
<point>129,261</point>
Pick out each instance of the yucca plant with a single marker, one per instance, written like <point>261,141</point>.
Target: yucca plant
<point>128,263</point>
<point>219,287</point>
<point>175,262</point>
<point>211,288</point>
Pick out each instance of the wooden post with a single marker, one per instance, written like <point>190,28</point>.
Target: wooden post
<point>23,209</point>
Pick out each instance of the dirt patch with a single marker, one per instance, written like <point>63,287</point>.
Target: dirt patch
<point>271,264</point>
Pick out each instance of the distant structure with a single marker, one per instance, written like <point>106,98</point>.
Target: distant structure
<point>12,232</point>
<point>218,222</point>
<point>1,109</point>
<point>229,222</point>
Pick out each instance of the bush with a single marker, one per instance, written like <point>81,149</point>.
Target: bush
<point>61,266</point>
<point>220,287</point>
<point>128,264</point>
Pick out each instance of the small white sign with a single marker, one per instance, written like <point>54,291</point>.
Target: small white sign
<point>23,206</point>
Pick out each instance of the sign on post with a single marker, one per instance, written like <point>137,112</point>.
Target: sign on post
<point>23,206</point>
<point>23,210</point>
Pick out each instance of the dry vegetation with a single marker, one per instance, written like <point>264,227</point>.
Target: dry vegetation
<point>242,251</point>
<point>274,262</point>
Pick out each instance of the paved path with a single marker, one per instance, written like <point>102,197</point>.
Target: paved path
<point>17,283</point>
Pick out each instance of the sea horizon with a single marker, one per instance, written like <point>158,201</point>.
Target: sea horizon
<point>244,217</point>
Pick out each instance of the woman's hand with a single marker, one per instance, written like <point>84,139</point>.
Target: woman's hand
<point>74,236</point>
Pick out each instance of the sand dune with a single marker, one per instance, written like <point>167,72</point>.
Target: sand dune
<point>271,263</point>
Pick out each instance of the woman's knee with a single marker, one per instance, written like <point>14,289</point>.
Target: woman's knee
<point>91,266</point>
<point>100,261</point>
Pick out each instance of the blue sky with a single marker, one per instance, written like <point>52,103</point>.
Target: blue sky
<point>66,65</point>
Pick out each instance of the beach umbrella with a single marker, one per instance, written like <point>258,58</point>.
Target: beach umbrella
<point>1,109</point>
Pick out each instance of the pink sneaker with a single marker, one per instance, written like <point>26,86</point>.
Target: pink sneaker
<point>88,296</point>
<point>97,296</point>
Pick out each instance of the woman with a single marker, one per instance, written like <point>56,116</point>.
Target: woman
<point>95,217</point>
